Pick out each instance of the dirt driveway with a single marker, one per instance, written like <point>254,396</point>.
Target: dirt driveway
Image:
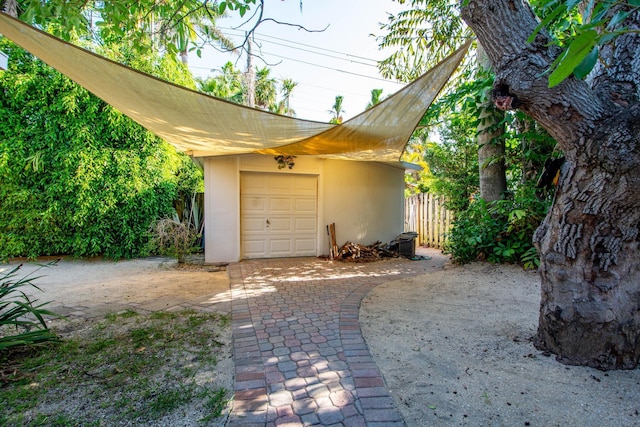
<point>81,288</point>
<point>454,347</point>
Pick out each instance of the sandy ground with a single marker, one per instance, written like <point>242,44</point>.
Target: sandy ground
<point>453,345</point>
<point>454,348</point>
<point>95,283</point>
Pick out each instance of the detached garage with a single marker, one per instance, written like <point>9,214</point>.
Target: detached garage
<point>348,174</point>
<point>255,210</point>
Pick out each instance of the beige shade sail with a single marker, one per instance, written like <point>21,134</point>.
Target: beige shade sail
<point>201,125</point>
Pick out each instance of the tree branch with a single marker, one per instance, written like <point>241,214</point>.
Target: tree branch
<point>502,28</point>
<point>259,12</point>
<point>300,27</point>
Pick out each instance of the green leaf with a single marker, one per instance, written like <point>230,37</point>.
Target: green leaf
<point>607,37</point>
<point>574,55</point>
<point>517,214</point>
<point>617,18</point>
<point>587,64</point>
<point>600,11</point>
<point>560,9</point>
<point>572,3</point>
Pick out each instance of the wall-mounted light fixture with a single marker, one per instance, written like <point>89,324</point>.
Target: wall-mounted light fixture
<point>285,161</point>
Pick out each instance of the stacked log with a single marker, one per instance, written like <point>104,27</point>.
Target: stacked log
<point>355,252</point>
<point>331,230</point>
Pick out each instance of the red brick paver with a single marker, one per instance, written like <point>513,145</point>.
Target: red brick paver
<point>299,353</point>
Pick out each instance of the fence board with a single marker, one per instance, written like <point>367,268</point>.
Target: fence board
<point>426,215</point>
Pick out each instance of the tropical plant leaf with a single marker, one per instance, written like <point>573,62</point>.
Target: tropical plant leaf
<point>555,13</point>
<point>22,322</point>
<point>587,64</point>
<point>577,51</point>
<point>28,338</point>
<point>617,18</point>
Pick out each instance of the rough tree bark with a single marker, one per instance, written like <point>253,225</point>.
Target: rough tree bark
<point>10,7</point>
<point>250,77</point>
<point>589,241</point>
<point>491,151</point>
<point>491,146</point>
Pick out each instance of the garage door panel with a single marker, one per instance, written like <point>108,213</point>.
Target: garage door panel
<point>280,247</point>
<point>255,186</point>
<point>280,205</point>
<point>279,184</point>
<point>306,186</point>
<point>304,225</point>
<point>254,248</point>
<point>253,225</point>
<point>305,247</point>
<point>305,205</point>
<point>278,215</point>
<point>254,204</point>
<point>280,225</point>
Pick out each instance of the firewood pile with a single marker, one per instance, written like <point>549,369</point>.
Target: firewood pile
<point>355,252</point>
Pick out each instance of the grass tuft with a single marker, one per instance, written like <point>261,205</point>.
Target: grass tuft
<point>126,369</point>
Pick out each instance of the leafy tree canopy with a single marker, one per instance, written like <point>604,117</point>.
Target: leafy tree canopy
<point>175,27</point>
<point>581,29</point>
<point>446,138</point>
<point>79,177</point>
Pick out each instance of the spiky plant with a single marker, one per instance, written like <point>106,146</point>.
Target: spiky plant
<point>22,322</point>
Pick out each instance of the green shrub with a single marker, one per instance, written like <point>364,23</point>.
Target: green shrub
<point>500,232</point>
<point>78,177</point>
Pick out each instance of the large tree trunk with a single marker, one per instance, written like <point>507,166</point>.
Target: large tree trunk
<point>589,241</point>
<point>11,8</point>
<point>491,147</point>
<point>491,152</point>
<point>250,77</point>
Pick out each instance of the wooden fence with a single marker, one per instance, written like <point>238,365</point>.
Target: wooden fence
<point>426,215</point>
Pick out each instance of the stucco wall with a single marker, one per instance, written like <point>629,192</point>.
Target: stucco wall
<point>364,199</point>
<point>221,207</point>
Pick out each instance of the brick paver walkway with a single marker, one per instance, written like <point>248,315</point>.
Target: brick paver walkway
<point>299,353</point>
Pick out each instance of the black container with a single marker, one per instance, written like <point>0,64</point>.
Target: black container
<point>407,244</point>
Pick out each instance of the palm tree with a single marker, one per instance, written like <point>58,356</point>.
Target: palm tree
<point>265,89</point>
<point>336,111</point>
<point>284,107</point>
<point>376,95</point>
<point>227,85</point>
<point>11,8</point>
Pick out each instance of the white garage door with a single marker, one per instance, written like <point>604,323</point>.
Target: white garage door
<point>278,215</point>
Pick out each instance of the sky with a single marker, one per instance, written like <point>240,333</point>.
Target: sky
<point>340,60</point>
